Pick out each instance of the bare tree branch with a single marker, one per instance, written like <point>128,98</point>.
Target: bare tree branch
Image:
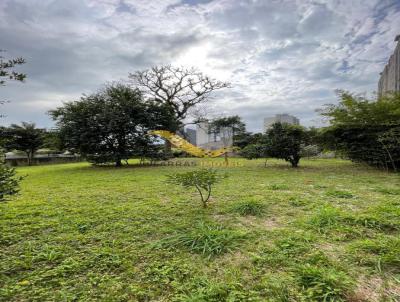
<point>178,87</point>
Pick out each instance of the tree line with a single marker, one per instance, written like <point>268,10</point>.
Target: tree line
<point>112,124</point>
<point>360,129</point>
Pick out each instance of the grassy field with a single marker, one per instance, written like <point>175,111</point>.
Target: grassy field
<point>327,231</point>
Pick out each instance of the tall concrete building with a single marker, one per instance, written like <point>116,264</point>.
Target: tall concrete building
<point>280,118</point>
<point>390,76</point>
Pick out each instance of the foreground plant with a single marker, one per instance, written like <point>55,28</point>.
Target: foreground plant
<point>206,239</point>
<point>9,182</point>
<point>202,180</point>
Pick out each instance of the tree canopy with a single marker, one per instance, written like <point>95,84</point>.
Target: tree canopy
<point>285,141</point>
<point>365,130</point>
<point>110,125</point>
<point>177,87</point>
<point>25,137</point>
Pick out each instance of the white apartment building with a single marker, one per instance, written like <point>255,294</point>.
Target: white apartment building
<point>280,118</point>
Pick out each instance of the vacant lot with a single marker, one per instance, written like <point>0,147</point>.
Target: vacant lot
<point>327,230</point>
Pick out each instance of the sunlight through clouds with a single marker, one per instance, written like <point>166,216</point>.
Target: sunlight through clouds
<point>280,56</point>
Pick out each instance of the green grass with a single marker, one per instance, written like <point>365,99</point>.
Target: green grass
<point>206,239</point>
<point>322,232</point>
<point>251,207</point>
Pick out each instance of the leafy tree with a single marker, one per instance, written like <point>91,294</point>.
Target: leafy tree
<point>52,140</point>
<point>177,88</point>
<point>202,180</point>
<point>285,141</point>
<point>9,183</point>
<point>253,151</point>
<point>243,139</point>
<point>25,137</point>
<point>365,130</point>
<point>110,125</point>
<point>227,128</point>
<point>146,150</point>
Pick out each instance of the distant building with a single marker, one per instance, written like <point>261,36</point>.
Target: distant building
<point>390,76</point>
<point>190,135</point>
<point>280,118</point>
<point>211,141</point>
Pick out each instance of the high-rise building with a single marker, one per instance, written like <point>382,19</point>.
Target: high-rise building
<point>390,76</point>
<point>280,118</point>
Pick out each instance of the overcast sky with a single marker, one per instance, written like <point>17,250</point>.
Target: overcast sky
<point>281,56</point>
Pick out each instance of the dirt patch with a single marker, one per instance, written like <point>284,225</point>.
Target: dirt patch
<point>375,290</point>
<point>267,223</point>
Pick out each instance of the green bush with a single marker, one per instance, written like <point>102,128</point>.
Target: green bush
<point>253,208</point>
<point>9,182</point>
<point>202,180</point>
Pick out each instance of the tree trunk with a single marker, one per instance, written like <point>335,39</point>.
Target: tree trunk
<point>295,161</point>
<point>226,158</point>
<point>29,158</point>
<point>168,149</point>
<point>118,162</point>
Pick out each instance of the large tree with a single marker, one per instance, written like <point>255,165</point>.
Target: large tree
<point>365,130</point>
<point>110,125</point>
<point>177,87</point>
<point>284,141</point>
<point>25,137</point>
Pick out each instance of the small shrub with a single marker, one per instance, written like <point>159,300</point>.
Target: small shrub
<point>325,218</point>
<point>253,208</point>
<point>339,194</point>
<point>205,239</point>
<point>202,180</point>
<point>9,182</point>
<point>286,251</point>
<point>323,284</point>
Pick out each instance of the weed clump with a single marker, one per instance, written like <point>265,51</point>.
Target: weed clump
<point>276,187</point>
<point>205,239</point>
<point>249,208</point>
<point>339,194</point>
<point>325,219</point>
<point>323,284</point>
<point>381,253</point>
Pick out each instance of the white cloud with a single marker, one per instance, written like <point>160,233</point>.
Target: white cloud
<point>280,55</point>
